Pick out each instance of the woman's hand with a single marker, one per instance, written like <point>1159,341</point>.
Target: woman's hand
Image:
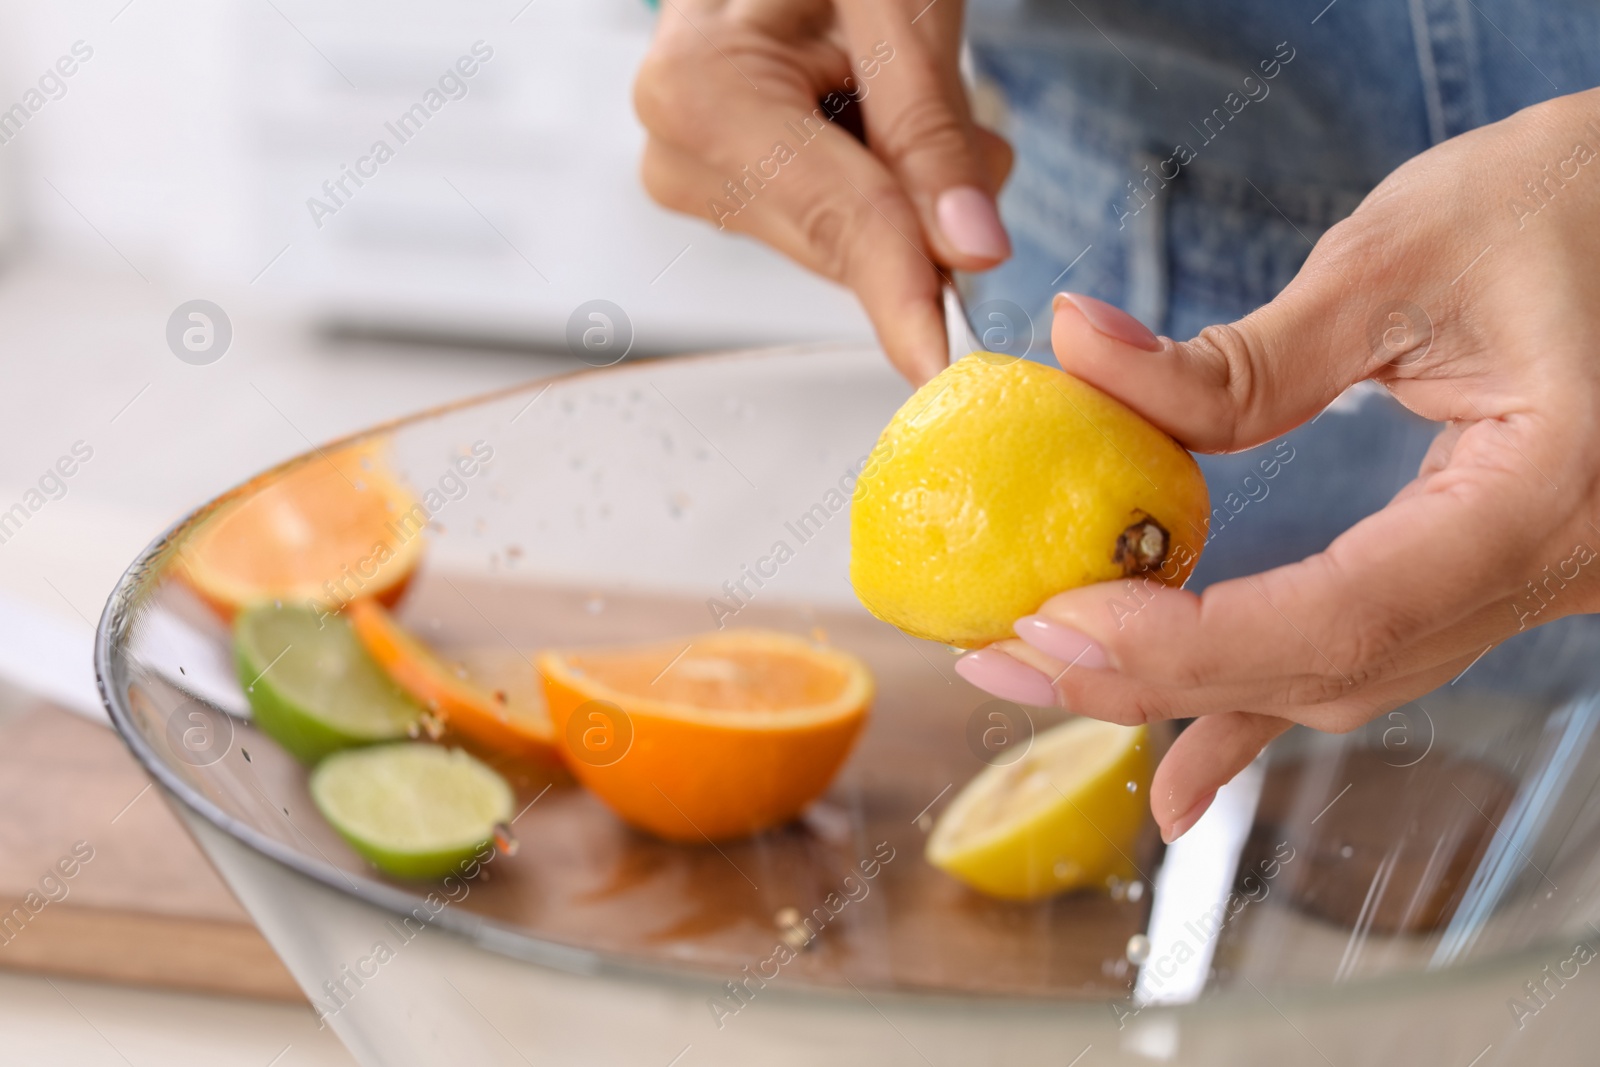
<point>1495,237</point>
<point>743,102</point>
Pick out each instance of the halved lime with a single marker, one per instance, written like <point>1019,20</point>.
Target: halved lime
<point>312,686</point>
<point>415,810</point>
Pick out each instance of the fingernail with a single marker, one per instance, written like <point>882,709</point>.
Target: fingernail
<point>1060,641</point>
<point>1111,321</point>
<point>1183,823</point>
<point>968,218</point>
<point>1009,679</point>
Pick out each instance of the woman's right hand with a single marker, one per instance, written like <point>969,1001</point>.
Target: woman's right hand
<point>739,98</point>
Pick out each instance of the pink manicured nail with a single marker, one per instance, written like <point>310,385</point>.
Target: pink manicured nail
<point>1183,823</point>
<point>1111,321</point>
<point>970,222</point>
<point>1009,679</point>
<point>1060,641</point>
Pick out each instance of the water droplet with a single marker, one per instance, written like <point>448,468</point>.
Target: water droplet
<point>1118,887</point>
<point>1138,949</point>
<point>1136,892</point>
<point>595,605</point>
<point>794,932</point>
<point>503,840</point>
<point>1346,852</point>
<point>924,822</point>
<point>1133,787</point>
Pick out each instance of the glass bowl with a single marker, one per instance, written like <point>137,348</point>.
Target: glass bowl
<point>1419,889</point>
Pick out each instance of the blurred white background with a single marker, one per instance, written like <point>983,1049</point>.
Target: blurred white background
<point>197,132</point>
<point>175,163</point>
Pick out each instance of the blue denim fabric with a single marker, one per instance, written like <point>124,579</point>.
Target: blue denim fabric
<point>1097,91</point>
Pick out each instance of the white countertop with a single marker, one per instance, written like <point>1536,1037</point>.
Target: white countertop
<point>85,1024</point>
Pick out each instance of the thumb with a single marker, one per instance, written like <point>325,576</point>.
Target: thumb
<point>1235,385</point>
<point>919,124</point>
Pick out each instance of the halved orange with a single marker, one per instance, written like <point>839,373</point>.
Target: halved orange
<point>336,528</point>
<point>707,737</point>
<point>483,718</point>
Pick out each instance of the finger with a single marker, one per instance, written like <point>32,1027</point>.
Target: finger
<point>1205,757</point>
<point>1020,671</point>
<point>1123,697</point>
<point>1210,752</point>
<point>842,232</point>
<point>1314,630</point>
<point>998,157</point>
<point>919,123</point>
<point>1349,713</point>
<point>1234,385</point>
<point>765,165</point>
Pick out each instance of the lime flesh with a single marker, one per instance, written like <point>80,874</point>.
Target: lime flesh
<point>312,686</point>
<point>415,810</point>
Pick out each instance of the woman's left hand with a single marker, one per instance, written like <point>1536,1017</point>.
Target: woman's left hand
<point>1495,237</point>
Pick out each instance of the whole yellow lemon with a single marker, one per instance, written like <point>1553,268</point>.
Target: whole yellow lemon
<point>1001,483</point>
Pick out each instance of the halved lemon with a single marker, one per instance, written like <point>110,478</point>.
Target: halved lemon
<point>335,528</point>
<point>481,717</point>
<point>707,737</point>
<point>1064,816</point>
<point>415,810</point>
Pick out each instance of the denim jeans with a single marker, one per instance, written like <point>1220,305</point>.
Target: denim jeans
<point>1178,158</point>
<point>1182,155</point>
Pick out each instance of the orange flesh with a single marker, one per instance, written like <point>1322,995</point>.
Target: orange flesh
<point>346,520</point>
<point>338,519</point>
<point>718,679</point>
<point>463,706</point>
<point>754,727</point>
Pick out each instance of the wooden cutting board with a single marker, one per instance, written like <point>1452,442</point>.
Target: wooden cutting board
<point>99,879</point>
